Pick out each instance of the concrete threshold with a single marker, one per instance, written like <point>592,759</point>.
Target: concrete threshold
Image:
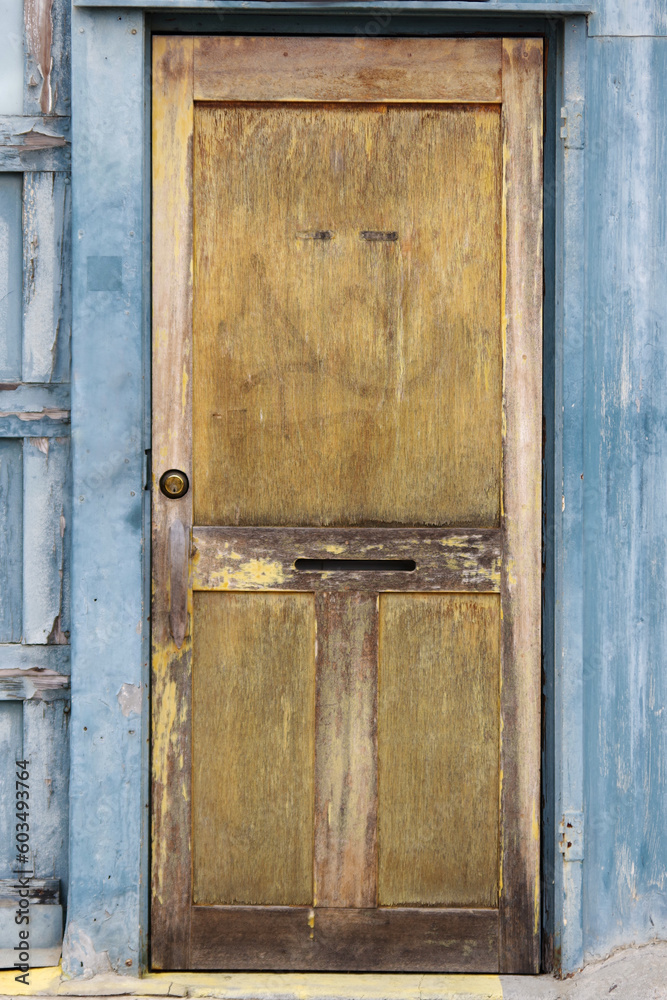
<point>631,974</point>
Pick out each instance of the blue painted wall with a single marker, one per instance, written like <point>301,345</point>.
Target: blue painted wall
<point>625,493</point>
<point>107,920</point>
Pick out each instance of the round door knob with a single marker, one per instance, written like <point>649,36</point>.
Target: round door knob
<point>174,484</point>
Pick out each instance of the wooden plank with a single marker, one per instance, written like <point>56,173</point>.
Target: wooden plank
<point>36,682</point>
<point>172,435</point>
<point>264,558</point>
<point>41,891</point>
<point>40,425</point>
<point>46,744</point>
<point>347,69</point>
<point>18,398</point>
<point>345,872</point>
<point>37,410</point>
<point>327,390</point>
<point>381,7</point>
<point>522,500</point>
<point>11,540</point>
<point>253,736</point>
<point>11,749</point>
<point>373,940</point>
<point>46,286</point>
<point>46,502</point>
<point>11,278</point>
<point>47,57</point>
<point>16,656</point>
<point>438,736</point>
<point>34,143</point>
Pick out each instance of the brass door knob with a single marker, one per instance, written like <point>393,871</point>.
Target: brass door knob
<point>174,484</point>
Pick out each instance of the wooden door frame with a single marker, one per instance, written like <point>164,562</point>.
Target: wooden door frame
<point>180,76</point>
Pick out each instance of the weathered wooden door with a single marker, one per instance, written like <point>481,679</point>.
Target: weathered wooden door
<point>347,286</point>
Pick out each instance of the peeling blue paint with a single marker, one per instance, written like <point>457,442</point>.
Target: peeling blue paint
<point>625,681</point>
<point>106,917</point>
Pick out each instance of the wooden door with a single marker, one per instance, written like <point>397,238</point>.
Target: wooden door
<point>347,285</point>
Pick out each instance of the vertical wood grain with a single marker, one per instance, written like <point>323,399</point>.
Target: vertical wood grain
<point>252,748</point>
<point>11,748</point>
<point>11,540</point>
<point>45,540</point>
<point>438,733</point>
<point>346,750</point>
<point>522,499</point>
<point>172,422</point>
<point>46,743</point>
<point>344,380</point>
<point>46,277</point>
<point>10,277</point>
<point>47,57</point>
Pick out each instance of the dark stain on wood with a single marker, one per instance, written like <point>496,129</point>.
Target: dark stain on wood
<point>371,236</point>
<point>329,939</point>
<point>314,234</point>
<point>345,862</point>
<point>264,558</point>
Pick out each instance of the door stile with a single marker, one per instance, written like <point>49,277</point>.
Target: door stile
<point>173,120</point>
<point>522,82</point>
<point>346,765</point>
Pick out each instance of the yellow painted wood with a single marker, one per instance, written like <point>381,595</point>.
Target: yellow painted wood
<point>347,69</point>
<point>253,748</point>
<point>438,747</point>
<point>172,125</point>
<point>346,380</point>
<point>522,501</point>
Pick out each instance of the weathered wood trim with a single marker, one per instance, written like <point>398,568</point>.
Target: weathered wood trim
<point>41,891</point>
<point>46,744</point>
<point>11,540</point>
<point>45,424</point>
<point>323,939</point>
<point>46,519</point>
<point>345,855</point>
<point>263,558</point>
<point>47,57</point>
<point>522,504</point>
<point>34,410</point>
<point>263,68</point>
<point>40,683</point>
<point>34,143</point>
<point>46,272</point>
<point>173,123</point>
<point>21,397</point>
<point>17,656</point>
<point>434,7</point>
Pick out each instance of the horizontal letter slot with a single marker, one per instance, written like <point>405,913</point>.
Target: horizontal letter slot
<point>355,565</point>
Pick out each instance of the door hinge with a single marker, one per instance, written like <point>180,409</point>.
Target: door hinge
<point>571,840</point>
<point>572,129</point>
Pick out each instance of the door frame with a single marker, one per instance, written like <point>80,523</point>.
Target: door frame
<point>508,72</point>
<point>111,200</point>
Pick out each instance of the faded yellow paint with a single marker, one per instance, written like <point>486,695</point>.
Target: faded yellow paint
<point>261,985</point>
<point>255,574</point>
<point>253,696</point>
<point>536,892</point>
<point>323,370</point>
<point>164,741</point>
